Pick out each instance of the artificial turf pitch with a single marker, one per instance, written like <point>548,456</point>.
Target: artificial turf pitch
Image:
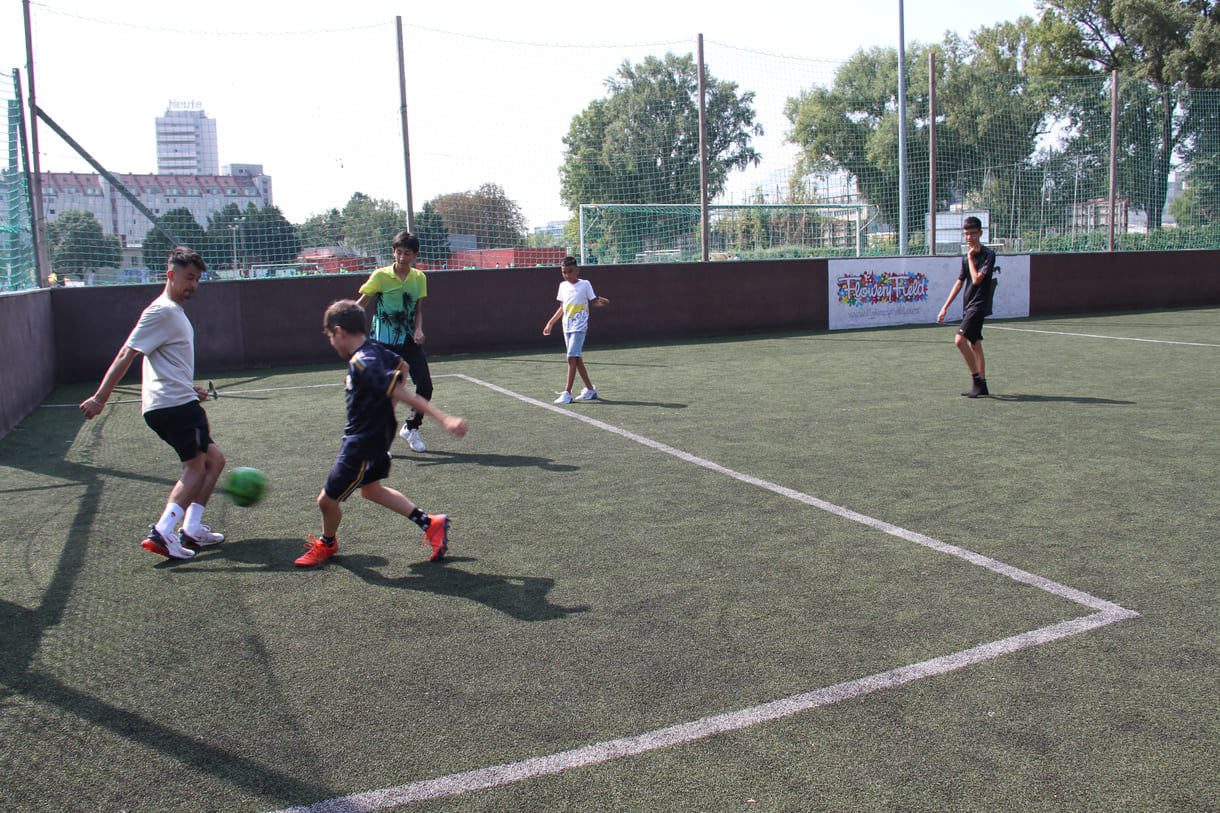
<point>623,569</point>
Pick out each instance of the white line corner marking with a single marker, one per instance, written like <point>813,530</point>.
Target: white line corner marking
<point>1105,613</point>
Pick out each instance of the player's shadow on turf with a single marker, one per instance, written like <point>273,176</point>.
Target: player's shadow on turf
<point>522,597</point>
<point>495,461</point>
<point>616,402</point>
<point>272,555</point>
<point>1027,398</point>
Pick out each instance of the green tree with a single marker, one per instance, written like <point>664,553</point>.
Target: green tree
<point>1168,45</point>
<point>486,212</point>
<point>78,243</point>
<point>325,229</point>
<point>369,225</point>
<point>267,236</point>
<point>989,117</point>
<point>433,239</point>
<point>640,144</point>
<point>182,224</point>
<point>224,237</point>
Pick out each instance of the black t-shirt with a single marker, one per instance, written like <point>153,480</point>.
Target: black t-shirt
<point>975,297</point>
<point>372,374</point>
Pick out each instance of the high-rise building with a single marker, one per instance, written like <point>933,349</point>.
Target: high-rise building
<point>186,141</point>
<point>190,178</point>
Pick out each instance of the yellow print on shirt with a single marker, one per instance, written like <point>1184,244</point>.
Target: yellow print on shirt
<point>573,309</point>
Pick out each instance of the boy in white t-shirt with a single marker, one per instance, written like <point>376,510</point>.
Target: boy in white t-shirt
<point>575,296</point>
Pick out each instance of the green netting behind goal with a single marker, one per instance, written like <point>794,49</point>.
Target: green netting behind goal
<point>636,233</point>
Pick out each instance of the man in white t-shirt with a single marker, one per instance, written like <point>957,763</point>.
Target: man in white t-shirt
<point>169,401</point>
<point>575,296</point>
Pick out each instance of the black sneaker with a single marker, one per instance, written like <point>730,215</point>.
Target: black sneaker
<point>979,388</point>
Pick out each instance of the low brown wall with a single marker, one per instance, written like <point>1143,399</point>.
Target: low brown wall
<point>246,323</point>
<point>71,334</point>
<point>27,354</point>
<point>1122,281</point>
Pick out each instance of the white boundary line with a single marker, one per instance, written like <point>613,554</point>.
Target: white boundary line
<point>1095,336</point>
<point>1106,613</point>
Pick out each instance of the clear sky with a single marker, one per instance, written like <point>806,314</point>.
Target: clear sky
<point>311,90</point>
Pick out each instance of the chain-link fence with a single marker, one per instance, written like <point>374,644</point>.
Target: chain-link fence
<point>801,160</point>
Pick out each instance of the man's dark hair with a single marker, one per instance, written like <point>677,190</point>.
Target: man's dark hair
<point>568,262</point>
<point>182,257</point>
<point>972,222</point>
<point>407,240</point>
<point>347,314</point>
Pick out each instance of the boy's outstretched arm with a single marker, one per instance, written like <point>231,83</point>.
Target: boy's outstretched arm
<point>451,424</point>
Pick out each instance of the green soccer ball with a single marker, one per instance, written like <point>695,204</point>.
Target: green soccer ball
<point>246,485</point>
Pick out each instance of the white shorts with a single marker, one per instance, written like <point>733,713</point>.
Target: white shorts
<point>575,342</point>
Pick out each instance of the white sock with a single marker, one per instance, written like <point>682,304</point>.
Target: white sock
<point>169,520</point>
<point>194,517</point>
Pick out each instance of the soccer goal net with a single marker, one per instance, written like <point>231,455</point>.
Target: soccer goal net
<point>657,232</point>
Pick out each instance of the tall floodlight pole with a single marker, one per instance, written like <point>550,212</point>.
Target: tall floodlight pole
<point>406,144</point>
<point>1113,157</point>
<point>932,153</point>
<point>704,230</point>
<point>902,134</point>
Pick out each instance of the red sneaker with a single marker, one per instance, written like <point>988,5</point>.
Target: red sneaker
<point>437,535</point>
<point>165,545</point>
<point>318,552</point>
<point>154,546</point>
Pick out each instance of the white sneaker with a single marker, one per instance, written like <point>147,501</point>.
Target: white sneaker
<point>165,545</point>
<point>175,547</point>
<point>202,538</point>
<point>586,394</point>
<point>564,398</point>
<point>405,432</point>
<point>413,439</point>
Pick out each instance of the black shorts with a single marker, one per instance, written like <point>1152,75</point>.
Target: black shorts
<point>351,472</point>
<point>972,325</point>
<point>184,428</point>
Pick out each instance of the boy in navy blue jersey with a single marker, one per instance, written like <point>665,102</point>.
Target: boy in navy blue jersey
<point>375,378</point>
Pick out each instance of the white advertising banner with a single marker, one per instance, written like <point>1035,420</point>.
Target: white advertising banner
<point>881,291</point>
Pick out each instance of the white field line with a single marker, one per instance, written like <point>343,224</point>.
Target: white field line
<point>1106,613</point>
<point>1095,336</point>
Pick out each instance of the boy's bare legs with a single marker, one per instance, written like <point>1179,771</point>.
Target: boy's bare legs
<point>391,499</point>
<point>322,549</point>
<point>972,352</point>
<point>580,368</point>
<point>332,514</point>
<point>199,477</point>
<point>573,361</point>
<point>332,510</point>
<point>435,527</point>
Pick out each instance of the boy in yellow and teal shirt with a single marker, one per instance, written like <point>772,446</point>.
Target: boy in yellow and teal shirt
<point>397,292</point>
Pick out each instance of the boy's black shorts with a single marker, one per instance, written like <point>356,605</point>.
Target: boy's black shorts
<point>349,473</point>
<point>184,428</point>
<point>972,325</point>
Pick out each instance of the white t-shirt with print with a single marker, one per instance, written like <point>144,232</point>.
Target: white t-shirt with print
<point>576,297</point>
